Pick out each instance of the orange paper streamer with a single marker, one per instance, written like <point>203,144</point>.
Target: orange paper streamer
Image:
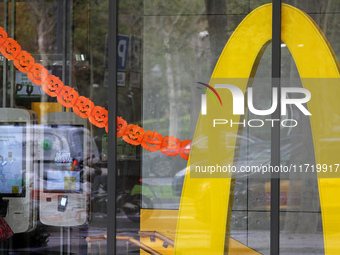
<point>84,107</point>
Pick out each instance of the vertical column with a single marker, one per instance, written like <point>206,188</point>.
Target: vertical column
<point>69,42</point>
<point>5,61</point>
<point>111,191</point>
<point>61,241</point>
<point>12,68</point>
<point>64,46</point>
<point>275,131</point>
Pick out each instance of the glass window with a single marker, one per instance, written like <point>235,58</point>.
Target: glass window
<point>193,77</point>
<point>53,65</point>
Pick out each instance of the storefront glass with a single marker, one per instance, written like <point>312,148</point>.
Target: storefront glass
<point>181,46</point>
<point>303,214</point>
<point>54,150</point>
<point>53,159</point>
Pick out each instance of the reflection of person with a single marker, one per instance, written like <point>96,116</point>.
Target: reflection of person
<point>5,230</point>
<point>99,192</point>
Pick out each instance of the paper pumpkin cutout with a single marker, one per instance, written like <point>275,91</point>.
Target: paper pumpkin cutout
<point>185,149</point>
<point>83,107</point>
<point>99,116</point>
<point>52,85</point>
<point>121,126</point>
<point>10,49</point>
<point>24,61</point>
<point>152,141</point>
<point>67,96</point>
<point>170,146</point>
<point>3,36</point>
<point>38,74</point>
<point>133,134</point>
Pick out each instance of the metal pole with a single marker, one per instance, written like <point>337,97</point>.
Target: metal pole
<point>275,132</point>
<point>61,240</point>
<point>5,61</point>
<point>64,44</point>
<point>111,192</point>
<point>68,240</point>
<point>64,53</point>
<point>12,70</point>
<point>69,40</point>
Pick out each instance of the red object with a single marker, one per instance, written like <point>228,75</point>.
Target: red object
<point>170,146</point>
<point>5,230</point>
<point>83,107</point>
<point>283,199</point>
<point>99,116</point>
<point>52,85</point>
<point>38,74</point>
<point>24,61</point>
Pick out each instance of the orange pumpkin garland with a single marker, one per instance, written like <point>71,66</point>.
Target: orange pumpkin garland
<point>24,61</point>
<point>10,49</point>
<point>121,126</point>
<point>152,141</point>
<point>84,107</point>
<point>170,146</point>
<point>185,149</point>
<point>99,116</point>
<point>133,134</point>
<point>3,36</point>
<point>38,74</point>
<point>67,96</point>
<point>52,85</point>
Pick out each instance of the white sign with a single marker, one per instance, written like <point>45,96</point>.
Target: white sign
<point>24,87</point>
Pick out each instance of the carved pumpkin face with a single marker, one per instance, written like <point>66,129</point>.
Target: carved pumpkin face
<point>10,49</point>
<point>133,134</point>
<point>67,96</point>
<point>170,146</point>
<point>3,36</point>
<point>83,107</point>
<point>185,149</point>
<point>38,74</point>
<point>24,61</point>
<point>152,141</point>
<point>52,85</point>
<point>99,116</point>
<point>121,126</point>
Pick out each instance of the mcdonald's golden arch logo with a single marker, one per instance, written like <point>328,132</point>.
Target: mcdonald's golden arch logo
<point>205,202</point>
